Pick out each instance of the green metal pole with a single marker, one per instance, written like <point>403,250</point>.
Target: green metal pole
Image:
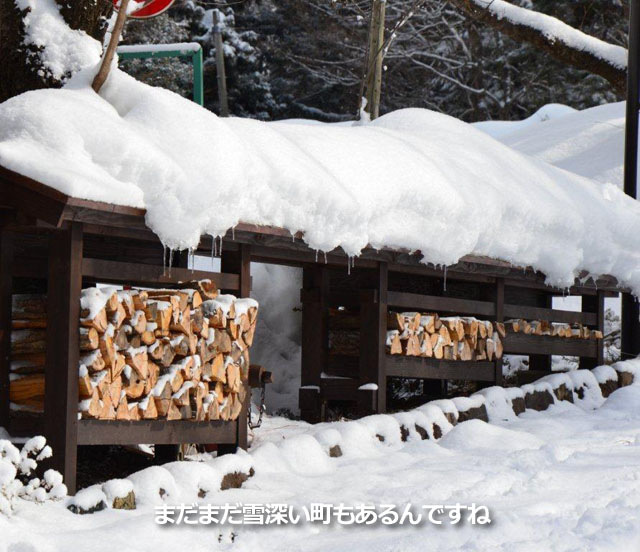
<point>198,85</point>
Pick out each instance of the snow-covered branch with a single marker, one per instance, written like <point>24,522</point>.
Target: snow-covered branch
<point>552,36</point>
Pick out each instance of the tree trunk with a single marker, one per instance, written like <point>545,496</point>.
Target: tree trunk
<point>20,63</point>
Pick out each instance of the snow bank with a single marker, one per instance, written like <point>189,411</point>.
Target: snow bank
<point>476,434</point>
<point>499,129</point>
<point>589,143</point>
<point>437,175</point>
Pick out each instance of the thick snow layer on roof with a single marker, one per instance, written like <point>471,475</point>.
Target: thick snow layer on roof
<point>412,179</point>
<point>589,143</point>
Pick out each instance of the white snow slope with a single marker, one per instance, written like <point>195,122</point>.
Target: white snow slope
<point>589,142</point>
<point>567,479</point>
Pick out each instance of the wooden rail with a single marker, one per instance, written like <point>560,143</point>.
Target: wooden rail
<point>431,368</point>
<point>524,344</point>
<point>133,273</point>
<point>159,432</point>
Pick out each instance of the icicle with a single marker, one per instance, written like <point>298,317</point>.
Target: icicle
<point>233,233</point>
<point>349,265</point>
<point>317,255</point>
<point>325,257</point>
<point>220,252</point>
<point>445,278</point>
<point>164,259</point>
<point>193,260</point>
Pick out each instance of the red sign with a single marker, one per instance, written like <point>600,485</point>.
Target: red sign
<point>148,8</point>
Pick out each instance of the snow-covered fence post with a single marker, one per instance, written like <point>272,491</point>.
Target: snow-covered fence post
<point>107,59</point>
<point>630,314</point>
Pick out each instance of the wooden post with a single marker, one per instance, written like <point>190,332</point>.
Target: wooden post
<point>595,304</point>
<point>64,285</point>
<point>374,60</point>
<point>542,363</point>
<point>6,284</point>
<point>373,334</point>
<point>220,70</point>
<point>239,262</point>
<point>499,318</point>
<point>315,345</point>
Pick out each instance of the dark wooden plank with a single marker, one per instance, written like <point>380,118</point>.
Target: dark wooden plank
<point>339,389</point>
<point>594,305</point>
<point>6,285</point>
<point>27,196</point>
<point>118,272</point>
<point>239,263</point>
<point>431,368</point>
<point>343,366</point>
<point>373,334</point>
<point>314,293</point>
<point>522,344</point>
<point>552,315</point>
<point>160,432</point>
<point>61,369</point>
<point>499,318</point>
<point>414,301</point>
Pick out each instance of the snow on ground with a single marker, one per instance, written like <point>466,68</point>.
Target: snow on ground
<point>498,129</point>
<point>341,186</point>
<point>563,480</point>
<point>589,142</point>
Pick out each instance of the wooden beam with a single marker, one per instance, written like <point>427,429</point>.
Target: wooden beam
<point>594,306</point>
<point>431,368</point>
<point>61,369</point>
<point>499,318</point>
<point>373,334</point>
<point>315,323</point>
<point>523,344</point>
<point>159,432</point>
<point>239,263</point>
<point>552,315</point>
<point>403,300</point>
<point>6,286</point>
<point>131,273</point>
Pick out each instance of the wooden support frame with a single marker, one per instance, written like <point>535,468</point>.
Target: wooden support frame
<point>315,347</point>
<point>594,305</point>
<point>499,318</point>
<point>239,262</point>
<point>61,369</point>
<point>373,334</point>
<point>6,286</point>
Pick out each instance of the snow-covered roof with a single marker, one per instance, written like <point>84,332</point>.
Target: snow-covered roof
<point>413,179</point>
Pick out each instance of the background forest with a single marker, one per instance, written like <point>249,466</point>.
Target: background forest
<point>305,58</point>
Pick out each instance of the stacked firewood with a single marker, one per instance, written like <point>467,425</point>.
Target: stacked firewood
<point>448,338</point>
<point>554,329</point>
<point>177,354</point>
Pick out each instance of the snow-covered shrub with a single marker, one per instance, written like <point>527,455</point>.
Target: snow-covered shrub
<point>16,474</point>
